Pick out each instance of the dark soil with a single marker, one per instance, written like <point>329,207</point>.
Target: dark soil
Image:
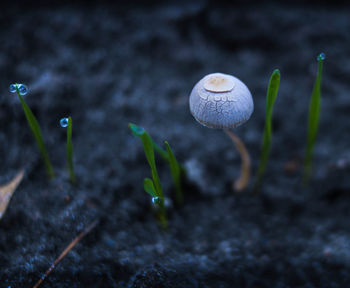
<point>109,64</point>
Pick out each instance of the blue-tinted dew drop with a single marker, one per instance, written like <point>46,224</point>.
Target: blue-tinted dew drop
<point>23,90</point>
<point>321,57</point>
<point>64,122</point>
<point>12,88</point>
<point>156,200</point>
<point>138,131</point>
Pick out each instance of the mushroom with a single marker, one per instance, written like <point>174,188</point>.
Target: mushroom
<point>223,101</point>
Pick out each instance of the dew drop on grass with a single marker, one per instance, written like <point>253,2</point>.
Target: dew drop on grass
<point>321,57</point>
<point>136,130</point>
<point>139,130</point>
<point>64,122</point>
<point>23,90</point>
<point>156,200</point>
<point>12,88</point>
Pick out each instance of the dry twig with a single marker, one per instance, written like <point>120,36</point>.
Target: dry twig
<point>65,252</point>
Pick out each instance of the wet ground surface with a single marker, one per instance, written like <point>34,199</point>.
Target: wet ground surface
<point>107,65</point>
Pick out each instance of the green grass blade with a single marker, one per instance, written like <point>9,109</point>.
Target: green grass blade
<point>176,174</point>
<point>34,126</point>
<point>149,187</point>
<point>161,152</point>
<point>272,91</point>
<point>138,131</point>
<point>314,115</point>
<point>70,150</point>
<point>148,148</point>
<point>149,152</point>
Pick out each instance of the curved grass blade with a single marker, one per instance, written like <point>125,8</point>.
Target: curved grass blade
<point>34,126</point>
<point>149,187</point>
<point>137,131</point>
<point>161,152</point>
<point>176,174</point>
<point>314,115</point>
<point>70,150</point>
<point>149,152</point>
<point>272,91</point>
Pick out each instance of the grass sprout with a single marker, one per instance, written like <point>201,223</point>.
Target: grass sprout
<point>148,185</point>
<point>22,90</point>
<point>152,186</point>
<point>272,91</point>
<point>313,122</point>
<point>68,123</point>
<point>176,174</point>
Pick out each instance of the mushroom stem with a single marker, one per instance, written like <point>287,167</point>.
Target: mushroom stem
<point>242,182</point>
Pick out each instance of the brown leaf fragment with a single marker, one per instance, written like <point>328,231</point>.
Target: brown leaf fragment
<point>7,190</point>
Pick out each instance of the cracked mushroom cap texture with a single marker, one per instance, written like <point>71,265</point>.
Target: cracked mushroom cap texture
<point>221,101</point>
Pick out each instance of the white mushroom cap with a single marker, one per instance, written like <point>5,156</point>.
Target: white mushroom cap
<point>221,101</point>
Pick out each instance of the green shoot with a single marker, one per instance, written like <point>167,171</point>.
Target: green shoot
<point>176,174</point>
<point>166,157</point>
<point>272,91</point>
<point>149,187</point>
<point>177,170</point>
<point>21,89</point>
<point>152,187</point>
<point>314,115</point>
<point>161,151</point>
<point>69,147</point>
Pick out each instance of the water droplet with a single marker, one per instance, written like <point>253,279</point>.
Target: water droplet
<point>23,90</point>
<point>321,57</point>
<point>64,122</point>
<point>12,88</point>
<point>156,200</point>
<point>137,130</point>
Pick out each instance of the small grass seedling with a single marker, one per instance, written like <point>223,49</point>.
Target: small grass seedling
<point>22,90</point>
<point>272,91</point>
<point>314,115</point>
<point>177,170</point>
<point>176,174</point>
<point>68,123</point>
<point>152,186</point>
